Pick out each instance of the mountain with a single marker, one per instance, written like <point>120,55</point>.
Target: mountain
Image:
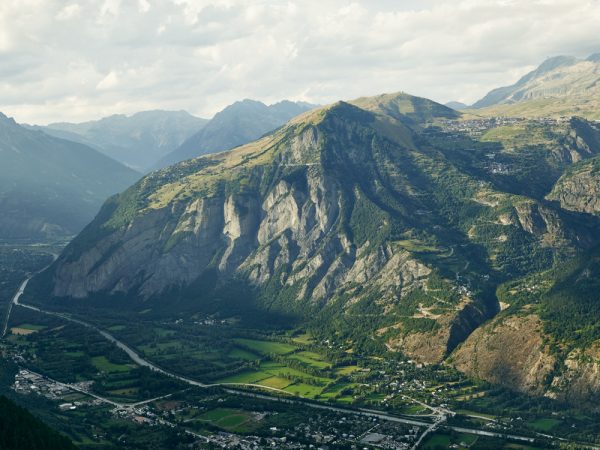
<point>19,430</point>
<point>456,105</point>
<point>560,86</point>
<point>549,318</point>
<point>238,124</point>
<point>579,188</point>
<point>594,58</point>
<point>49,186</point>
<point>138,141</point>
<point>529,85</point>
<point>385,221</point>
<point>551,327</point>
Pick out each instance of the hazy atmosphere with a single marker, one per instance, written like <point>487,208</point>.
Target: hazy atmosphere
<point>81,60</point>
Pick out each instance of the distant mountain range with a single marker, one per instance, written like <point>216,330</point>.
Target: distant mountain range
<point>52,187</point>
<point>560,86</point>
<point>151,140</point>
<point>238,124</point>
<point>137,141</point>
<point>456,105</point>
<point>54,178</point>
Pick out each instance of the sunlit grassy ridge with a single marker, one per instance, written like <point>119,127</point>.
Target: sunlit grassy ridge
<point>206,175</point>
<point>224,167</point>
<point>400,105</point>
<point>545,107</point>
<point>526,133</point>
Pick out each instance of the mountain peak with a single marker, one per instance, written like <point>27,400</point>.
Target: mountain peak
<point>237,124</point>
<point>403,106</point>
<point>555,84</point>
<point>594,57</point>
<point>242,105</point>
<point>556,61</point>
<point>8,120</point>
<point>456,105</point>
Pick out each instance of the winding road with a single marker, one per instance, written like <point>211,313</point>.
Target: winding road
<point>12,303</point>
<point>138,359</point>
<point>19,293</point>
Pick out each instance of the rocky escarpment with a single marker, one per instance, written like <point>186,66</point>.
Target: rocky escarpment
<point>560,86</point>
<point>579,381</point>
<point>294,225</point>
<point>509,351</point>
<point>579,188</point>
<point>546,341</point>
<point>452,328</point>
<point>513,351</point>
<point>175,244</point>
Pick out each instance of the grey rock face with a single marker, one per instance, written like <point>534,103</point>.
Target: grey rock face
<point>579,190</point>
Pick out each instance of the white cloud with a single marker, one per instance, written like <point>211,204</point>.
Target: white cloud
<point>4,41</point>
<point>143,6</point>
<point>111,7</point>
<point>108,82</point>
<point>69,12</point>
<point>116,56</point>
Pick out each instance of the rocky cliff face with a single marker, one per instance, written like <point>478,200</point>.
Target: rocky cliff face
<point>452,328</point>
<point>509,351</point>
<point>579,188</point>
<point>557,77</point>
<point>175,243</point>
<point>579,380</point>
<point>513,351</point>
<point>545,341</point>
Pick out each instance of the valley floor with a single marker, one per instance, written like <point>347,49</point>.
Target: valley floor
<point>209,380</point>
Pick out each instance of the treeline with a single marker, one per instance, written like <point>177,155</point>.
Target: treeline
<point>19,430</point>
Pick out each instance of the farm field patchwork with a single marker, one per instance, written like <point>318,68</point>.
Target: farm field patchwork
<point>231,420</point>
<point>267,347</point>
<point>275,375</point>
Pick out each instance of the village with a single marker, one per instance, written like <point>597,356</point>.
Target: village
<point>477,127</point>
<point>207,418</point>
<point>320,431</point>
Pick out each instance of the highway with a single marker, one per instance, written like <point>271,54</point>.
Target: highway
<point>119,405</point>
<point>12,303</point>
<point>19,293</point>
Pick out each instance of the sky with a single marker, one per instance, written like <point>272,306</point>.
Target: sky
<point>64,60</point>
